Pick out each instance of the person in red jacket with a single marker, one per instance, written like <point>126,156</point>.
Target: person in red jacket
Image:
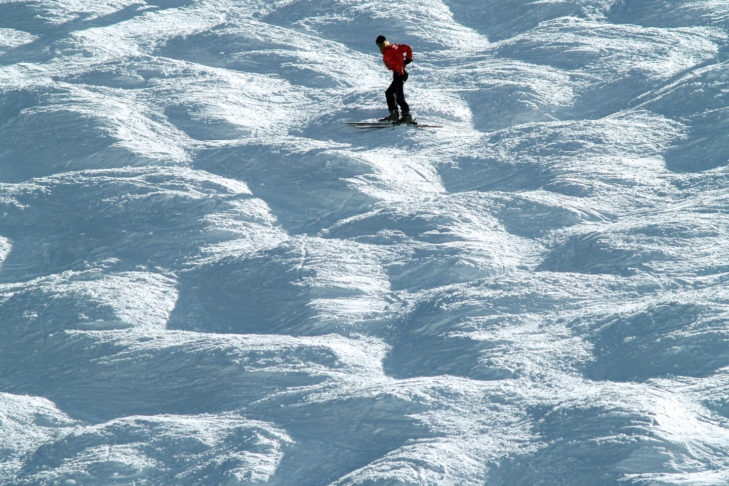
<point>396,57</point>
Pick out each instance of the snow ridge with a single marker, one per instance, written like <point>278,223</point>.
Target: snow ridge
<point>206,277</point>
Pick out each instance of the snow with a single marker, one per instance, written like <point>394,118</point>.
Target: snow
<point>207,277</point>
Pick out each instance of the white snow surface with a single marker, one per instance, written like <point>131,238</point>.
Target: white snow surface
<point>207,277</point>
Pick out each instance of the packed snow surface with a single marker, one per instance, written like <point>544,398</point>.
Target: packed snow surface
<point>207,277</point>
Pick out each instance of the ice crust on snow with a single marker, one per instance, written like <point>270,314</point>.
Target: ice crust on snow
<point>206,277</point>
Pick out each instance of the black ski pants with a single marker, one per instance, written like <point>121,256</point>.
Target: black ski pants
<point>395,95</point>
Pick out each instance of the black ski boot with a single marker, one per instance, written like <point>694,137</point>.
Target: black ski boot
<point>406,118</point>
<point>392,117</point>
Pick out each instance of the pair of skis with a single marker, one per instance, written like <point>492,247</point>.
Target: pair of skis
<point>389,124</point>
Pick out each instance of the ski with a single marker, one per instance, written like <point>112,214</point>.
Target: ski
<point>371,124</point>
<point>387,124</point>
<point>419,125</point>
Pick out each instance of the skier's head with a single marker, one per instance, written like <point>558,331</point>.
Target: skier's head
<point>381,42</point>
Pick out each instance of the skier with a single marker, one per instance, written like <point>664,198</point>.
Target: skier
<point>396,57</point>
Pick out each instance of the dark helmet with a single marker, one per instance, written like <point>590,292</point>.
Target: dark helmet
<point>380,39</point>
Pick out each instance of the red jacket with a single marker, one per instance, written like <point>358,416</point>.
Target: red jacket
<point>393,57</point>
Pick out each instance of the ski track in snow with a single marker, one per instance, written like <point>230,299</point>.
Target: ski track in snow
<point>206,277</point>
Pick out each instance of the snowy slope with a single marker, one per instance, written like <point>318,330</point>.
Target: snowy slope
<point>206,277</point>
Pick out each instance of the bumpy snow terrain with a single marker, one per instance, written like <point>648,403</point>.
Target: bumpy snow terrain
<point>207,277</point>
